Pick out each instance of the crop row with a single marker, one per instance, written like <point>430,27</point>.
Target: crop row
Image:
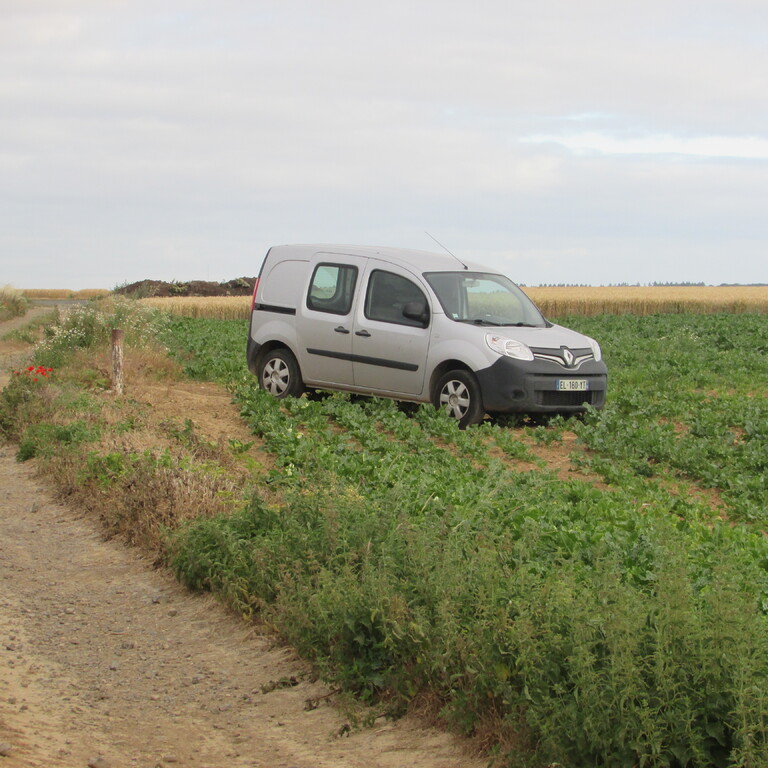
<point>615,624</point>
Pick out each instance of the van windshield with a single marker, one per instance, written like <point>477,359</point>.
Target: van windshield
<point>484,299</point>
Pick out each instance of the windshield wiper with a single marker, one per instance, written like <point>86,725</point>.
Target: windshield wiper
<point>496,323</point>
<point>521,325</point>
<point>476,321</point>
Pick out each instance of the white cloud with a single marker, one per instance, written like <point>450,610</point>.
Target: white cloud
<point>734,147</point>
<point>132,132</point>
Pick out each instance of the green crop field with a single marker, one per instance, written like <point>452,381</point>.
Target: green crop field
<point>582,592</point>
<point>612,617</point>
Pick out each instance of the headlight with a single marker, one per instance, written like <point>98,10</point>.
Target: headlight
<point>596,350</point>
<point>508,347</point>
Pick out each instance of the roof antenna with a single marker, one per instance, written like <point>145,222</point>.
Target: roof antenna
<point>446,250</point>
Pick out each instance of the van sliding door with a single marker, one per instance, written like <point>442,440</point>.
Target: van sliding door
<point>325,319</point>
<point>389,347</point>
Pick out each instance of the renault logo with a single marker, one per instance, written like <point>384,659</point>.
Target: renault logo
<point>568,357</point>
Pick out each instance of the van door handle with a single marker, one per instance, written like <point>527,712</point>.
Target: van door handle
<point>341,329</point>
<point>362,333</point>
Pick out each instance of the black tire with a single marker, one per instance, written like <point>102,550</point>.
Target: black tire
<point>279,374</point>
<point>459,393</point>
<point>407,407</point>
<point>317,395</point>
<point>508,420</point>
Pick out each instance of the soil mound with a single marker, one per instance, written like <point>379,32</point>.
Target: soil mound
<point>240,286</point>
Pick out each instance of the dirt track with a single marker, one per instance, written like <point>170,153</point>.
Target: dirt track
<point>107,662</point>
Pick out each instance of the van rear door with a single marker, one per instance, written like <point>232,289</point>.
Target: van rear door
<point>324,321</point>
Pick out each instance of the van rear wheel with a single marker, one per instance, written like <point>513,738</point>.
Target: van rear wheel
<point>279,374</point>
<point>459,393</point>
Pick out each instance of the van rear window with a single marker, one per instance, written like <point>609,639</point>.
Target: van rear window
<point>332,288</point>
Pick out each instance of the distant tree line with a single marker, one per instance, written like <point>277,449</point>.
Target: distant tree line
<point>655,284</point>
<point>684,284</point>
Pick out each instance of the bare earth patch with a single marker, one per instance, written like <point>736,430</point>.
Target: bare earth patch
<point>556,457</point>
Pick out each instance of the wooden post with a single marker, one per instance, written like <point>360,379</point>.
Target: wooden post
<point>117,361</point>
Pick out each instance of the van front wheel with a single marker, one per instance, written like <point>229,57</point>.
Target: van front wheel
<point>279,374</point>
<point>459,393</point>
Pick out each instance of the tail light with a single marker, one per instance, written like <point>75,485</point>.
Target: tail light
<point>253,298</point>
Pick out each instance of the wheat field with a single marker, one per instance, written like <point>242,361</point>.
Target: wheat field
<point>214,307</point>
<point>651,300</point>
<point>553,301</point>
<point>64,293</point>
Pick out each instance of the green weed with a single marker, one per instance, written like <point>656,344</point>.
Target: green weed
<point>41,439</point>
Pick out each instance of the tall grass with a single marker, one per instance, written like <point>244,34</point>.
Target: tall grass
<point>12,302</point>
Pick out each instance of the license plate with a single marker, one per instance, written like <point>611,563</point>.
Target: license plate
<point>572,385</point>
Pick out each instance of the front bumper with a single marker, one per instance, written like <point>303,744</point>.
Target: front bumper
<point>517,386</point>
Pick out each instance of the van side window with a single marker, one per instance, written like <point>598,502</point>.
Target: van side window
<point>332,288</point>
<point>389,295</point>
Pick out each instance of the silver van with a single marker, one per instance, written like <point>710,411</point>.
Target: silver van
<point>414,326</point>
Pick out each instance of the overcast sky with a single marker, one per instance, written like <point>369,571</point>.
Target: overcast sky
<point>560,141</point>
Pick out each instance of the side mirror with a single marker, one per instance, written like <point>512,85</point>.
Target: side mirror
<point>418,312</point>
